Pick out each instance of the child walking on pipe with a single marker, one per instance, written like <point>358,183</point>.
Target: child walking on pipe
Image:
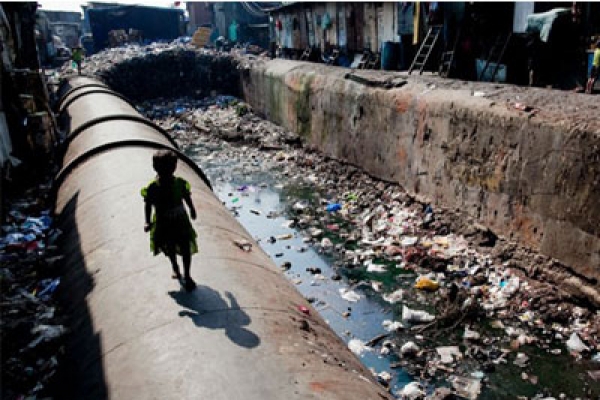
<point>171,231</point>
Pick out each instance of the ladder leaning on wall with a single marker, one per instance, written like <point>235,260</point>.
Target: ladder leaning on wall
<point>426,49</point>
<point>496,55</point>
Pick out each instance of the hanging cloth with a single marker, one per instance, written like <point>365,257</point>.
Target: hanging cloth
<point>326,21</point>
<point>405,19</point>
<point>233,37</point>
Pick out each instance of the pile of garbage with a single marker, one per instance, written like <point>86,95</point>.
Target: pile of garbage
<point>161,70</point>
<point>221,116</point>
<point>449,282</point>
<point>465,300</point>
<point>32,329</point>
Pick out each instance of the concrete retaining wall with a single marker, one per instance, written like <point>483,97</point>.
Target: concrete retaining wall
<point>532,179</point>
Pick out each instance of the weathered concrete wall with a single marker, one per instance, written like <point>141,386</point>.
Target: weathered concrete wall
<point>534,179</point>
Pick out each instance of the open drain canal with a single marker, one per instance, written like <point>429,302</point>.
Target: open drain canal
<point>260,203</point>
<point>358,249</point>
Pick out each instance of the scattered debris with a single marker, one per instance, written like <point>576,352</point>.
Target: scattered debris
<point>412,391</point>
<point>394,297</point>
<point>377,339</point>
<point>358,347</point>
<point>304,310</point>
<point>378,230</point>
<point>349,295</point>
<point>449,354</point>
<point>392,326</point>
<point>416,316</point>
<point>32,331</point>
<point>243,244</point>
<point>409,349</point>
<point>424,283</point>
<point>575,344</point>
<point>466,387</point>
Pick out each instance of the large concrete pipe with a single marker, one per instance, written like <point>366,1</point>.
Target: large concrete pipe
<point>77,83</point>
<point>242,334</point>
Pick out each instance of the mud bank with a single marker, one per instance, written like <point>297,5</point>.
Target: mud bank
<point>531,176</point>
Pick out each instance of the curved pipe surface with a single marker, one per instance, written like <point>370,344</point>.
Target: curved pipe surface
<point>85,127</point>
<point>239,335</point>
<point>87,90</point>
<point>73,82</point>
<point>116,122</point>
<point>68,167</point>
<point>75,89</point>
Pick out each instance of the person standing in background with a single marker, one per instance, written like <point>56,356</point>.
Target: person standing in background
<point>589,88</point>
<point>233,32</point>
<point>77,57</point>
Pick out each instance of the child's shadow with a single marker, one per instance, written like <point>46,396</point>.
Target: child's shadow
<point>208,309</point>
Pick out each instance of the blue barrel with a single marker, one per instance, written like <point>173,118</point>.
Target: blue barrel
<point>390,53</point>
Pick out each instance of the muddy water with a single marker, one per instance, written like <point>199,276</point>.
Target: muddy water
<point>261,199</point>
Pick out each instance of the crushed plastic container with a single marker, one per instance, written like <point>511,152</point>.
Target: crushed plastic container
<point>424,283</point>
<point>334,207</point>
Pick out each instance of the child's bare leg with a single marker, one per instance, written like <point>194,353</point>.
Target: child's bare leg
<point>186,257</point>
<point>173,259</point>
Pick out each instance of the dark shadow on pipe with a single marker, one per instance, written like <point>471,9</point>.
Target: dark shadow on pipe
<point>64,107</point>
<point>69,92</point>
<point>66,169</point>
<point>117,117</point>
<point>65,85</point>
<point>207,309</point>
<point>82,371</point>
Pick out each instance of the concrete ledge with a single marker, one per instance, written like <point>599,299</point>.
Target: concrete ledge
<point>533,177</point>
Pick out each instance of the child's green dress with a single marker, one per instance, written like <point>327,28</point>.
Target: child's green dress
<point>171,226</point>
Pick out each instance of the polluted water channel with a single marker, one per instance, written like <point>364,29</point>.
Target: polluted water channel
<point>379,266</point>
<point>265,205</point>
<point>261,204</point>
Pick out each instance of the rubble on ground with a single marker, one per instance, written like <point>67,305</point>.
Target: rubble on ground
<point>32,330</point>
